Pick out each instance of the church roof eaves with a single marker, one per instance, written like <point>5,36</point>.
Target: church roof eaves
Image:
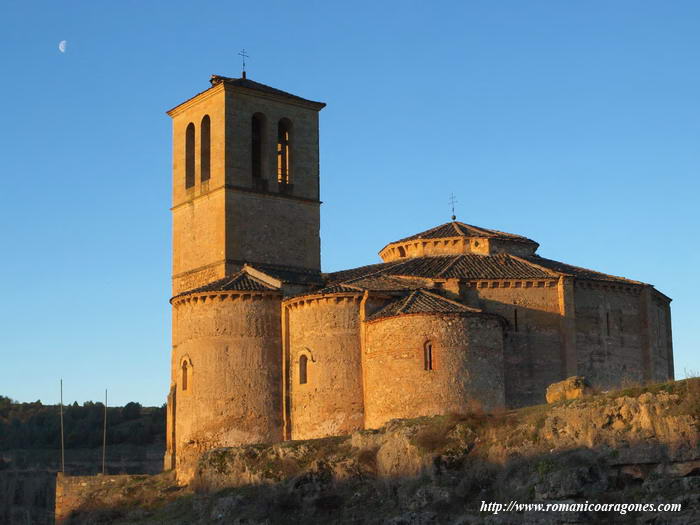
<point>252,85</point>
<point>464,266</point>
<point>246,83</point>
<point>239,282</point>
<point>356,273</point>
<point>472,267</point>
<point>288,274</point>
<point>382,282</point>
<point>575,271</point>
<point>467,266</point>
<point>335,290</point>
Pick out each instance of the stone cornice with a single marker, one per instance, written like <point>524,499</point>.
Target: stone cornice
<point>453,239</point>
<point>631,287</point>
<point>243,189</point>
<point>482,315</point>
<point>540,282</point>
<point>203,297</point>
<point>311,298</point>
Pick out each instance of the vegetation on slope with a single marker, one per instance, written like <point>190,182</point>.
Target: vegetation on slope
<point>37,426</point>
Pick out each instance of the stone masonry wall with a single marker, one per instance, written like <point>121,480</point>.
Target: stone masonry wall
<point>533,346</point>
<point>198,242</point>
<point>326,330</point>
<point>198,212</point>
<point>661,344</point>
<point>468,366</point>
<point>286,234</point>
<point>273,227</point>
<point>231,344</point>
<point>609,342</point>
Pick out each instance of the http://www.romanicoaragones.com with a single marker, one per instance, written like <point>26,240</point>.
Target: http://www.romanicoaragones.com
<point>619,508</point>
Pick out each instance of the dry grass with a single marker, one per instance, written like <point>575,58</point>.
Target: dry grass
<point>433,437</point>
<point>690,398</point>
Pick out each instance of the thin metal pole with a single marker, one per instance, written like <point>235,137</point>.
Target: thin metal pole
<point>104,436</point>
<point>63,457</point>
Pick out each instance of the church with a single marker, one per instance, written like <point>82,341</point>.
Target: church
<point>266,347</point>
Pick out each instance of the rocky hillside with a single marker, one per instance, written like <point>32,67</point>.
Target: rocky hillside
<point>634,446</point>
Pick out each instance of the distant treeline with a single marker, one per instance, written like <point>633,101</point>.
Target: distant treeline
<point>35,426</point>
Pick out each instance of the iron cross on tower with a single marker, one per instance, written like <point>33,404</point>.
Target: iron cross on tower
<point>243,55</point>
<point>453,201</point>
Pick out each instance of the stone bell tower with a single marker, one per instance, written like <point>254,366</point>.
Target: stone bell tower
<point>245,182</point>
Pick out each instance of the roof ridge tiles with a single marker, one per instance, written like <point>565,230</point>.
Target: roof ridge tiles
<point>461,229</point>
<point>595,274</point>
<point>408,301</point>
<point>450,265</point>
<point>477,229</point>
<point>539,266</point>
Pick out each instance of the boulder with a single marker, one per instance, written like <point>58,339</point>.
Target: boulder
<point>574,387</point>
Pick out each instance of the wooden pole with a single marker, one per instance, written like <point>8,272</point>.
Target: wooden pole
<point>63,457</point>
<point>104,436</point>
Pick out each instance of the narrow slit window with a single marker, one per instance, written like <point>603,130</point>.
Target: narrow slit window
<point>515,318</point>
<point>189,156</point>
<point>205,148</point>
<point>283,152</point>
<point>303,365</point>
<point>184,375</point>
<point>428,356</point>
<point>607,322</point>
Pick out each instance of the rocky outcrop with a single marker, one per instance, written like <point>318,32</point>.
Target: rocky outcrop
<point>637,446</point>
<point>574,387</point>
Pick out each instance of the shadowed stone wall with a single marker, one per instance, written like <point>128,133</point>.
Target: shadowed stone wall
<point>533,345</point>
<point>608,334</point>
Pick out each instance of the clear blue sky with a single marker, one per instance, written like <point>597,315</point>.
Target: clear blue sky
<point>574,123</point>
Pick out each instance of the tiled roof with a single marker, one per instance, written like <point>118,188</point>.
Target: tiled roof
<point>257,86</point>
<point>376,282</point>
<point>466,266</point>
<point>239,282</point>
<point>576,271</point>
<point>422,302</point>
<point>460,229</point>
<point>380,282</point>
<point>288,274</point>
<point>335,288</point>
<point>405,274</point>
<point>355,273</point>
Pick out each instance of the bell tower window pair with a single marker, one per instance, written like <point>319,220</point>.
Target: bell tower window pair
<point>257,129</point>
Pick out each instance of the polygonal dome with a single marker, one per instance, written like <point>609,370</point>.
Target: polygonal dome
<point>456,238</point>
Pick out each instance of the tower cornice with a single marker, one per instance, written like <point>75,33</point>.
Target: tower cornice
<point>269,194</point>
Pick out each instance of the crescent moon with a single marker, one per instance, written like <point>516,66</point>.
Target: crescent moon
<point>62,46</point>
